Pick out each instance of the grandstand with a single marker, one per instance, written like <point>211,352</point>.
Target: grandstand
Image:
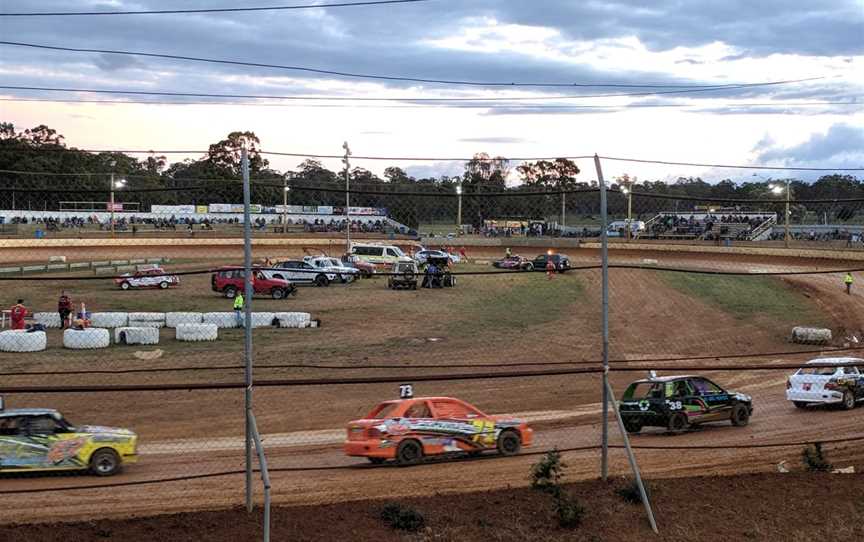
<point>711,225</point>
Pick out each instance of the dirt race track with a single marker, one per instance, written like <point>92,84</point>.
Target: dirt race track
<point>514,320</point>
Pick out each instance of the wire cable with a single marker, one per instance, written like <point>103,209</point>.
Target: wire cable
<point>208,10</point>
<point>726,166</point>
<point>377,77</point>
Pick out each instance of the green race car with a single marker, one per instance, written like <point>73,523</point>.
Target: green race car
<point>678,402</point>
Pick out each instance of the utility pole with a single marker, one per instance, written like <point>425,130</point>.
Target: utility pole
<point>285,190</point>
<point>459,209</point>
<point>788,201</point>
<point>111,202</point>
<point>563,209</point>
<point>604,255</point>
<point>346,161</point>
<point>247,306</point>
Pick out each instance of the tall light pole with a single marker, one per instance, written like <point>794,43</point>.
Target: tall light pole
<point>459,209</point>
<point>629,193</point>
<point>346,161</point>
<point>788,189</point>
<point>563,209</point>
<point>285,190</point>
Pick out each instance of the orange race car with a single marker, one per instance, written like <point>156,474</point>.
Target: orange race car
<point>409,429</point>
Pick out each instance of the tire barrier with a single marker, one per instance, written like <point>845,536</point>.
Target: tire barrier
<point>294,319</point>
<point>86,339</point>
<point>47,319</point>
<point>220,319</point>
<point>197,332</point>
<point>109,319</point>
<point>147,319</point>
<point>173,319</point>
<point>21,341</point>
<point>136,335</point>
<point>811,335</point>
<point>262,319</point>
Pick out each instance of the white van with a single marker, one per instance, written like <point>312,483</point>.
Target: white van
<point>614,228</point>
<point>377,254</point>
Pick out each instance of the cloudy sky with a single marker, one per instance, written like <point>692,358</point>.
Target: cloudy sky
<point>667,47</point>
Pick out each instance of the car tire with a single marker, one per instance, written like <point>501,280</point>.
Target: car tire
<point>163,285</point>
<point>414,285</point>
<point>124,285</point>
<point>678,423</point>
<point>105,462</point>
<point>409,452</point>
<point>322,281</point>
<point>509,442</point>
<point>376,460</point>
<point>277,293</point>
<point>799,404</point>
<point>529,267</point>
<point>230,292</point>
<point>632,426</point>
<point>740,416</point>
<point>848,400</point>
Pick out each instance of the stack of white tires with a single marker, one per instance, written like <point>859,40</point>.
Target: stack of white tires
<point>173,319</point>
<point>50,320</point>
<point>294,319</point>
<point>811,335</point>
<point>136,335</point>
<point>197,332</point>
<point>86,339</point>
<point>147,319</point>
<point>109,319</point>
<point>221,320</point>
<point>21,341</point>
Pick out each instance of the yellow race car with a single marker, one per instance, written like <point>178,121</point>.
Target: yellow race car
<point>40,439</point>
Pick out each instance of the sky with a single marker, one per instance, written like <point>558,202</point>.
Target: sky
<point>595,42</point>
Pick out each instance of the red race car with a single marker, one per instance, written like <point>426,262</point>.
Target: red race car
<point>407,430</point>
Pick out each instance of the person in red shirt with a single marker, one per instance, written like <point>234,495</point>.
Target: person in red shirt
<point>463,254</point>
<point>64,308</point>
<point>18,312</point>
<point>550,268</point>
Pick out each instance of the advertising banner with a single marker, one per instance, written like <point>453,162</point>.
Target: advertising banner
<point>220,207</point>
<point>201,209</point>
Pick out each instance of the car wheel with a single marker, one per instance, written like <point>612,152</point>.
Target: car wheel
<point>529,267</point>
<point>740,417</point>
<point>677,423</point>
<point>632,426</point>
<point>277,293</point>
<point>376,460</point>
<point>105,462</point>
<point>340,278</point>
<point>414,285</point>
<point>848,400</point>
<point>230,292</point>
<point>509,442</point>
<point>322,280</point>
<point>799,404</point>
<point>163,285</point>
<point>409,452</point>
<point>124,285</point>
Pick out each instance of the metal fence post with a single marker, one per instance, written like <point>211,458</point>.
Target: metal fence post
<point>604,255</point>
<point>247,327</point>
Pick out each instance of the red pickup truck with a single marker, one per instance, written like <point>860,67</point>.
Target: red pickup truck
<point>229,281</point>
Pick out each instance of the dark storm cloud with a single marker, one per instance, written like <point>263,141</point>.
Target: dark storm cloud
<point>841,143</point>
<point>389,40</point>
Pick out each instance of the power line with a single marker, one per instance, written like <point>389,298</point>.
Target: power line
<point>687,88</point>
<point>727,166</point>
<point>209,10</point>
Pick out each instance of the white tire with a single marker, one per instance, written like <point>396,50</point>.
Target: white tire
<point>136,335</point>
<point>811,335</point>
<point>294,319</point>
<point>197,332</point>
<point>21,341</point>
<point>109,319</point>
<point>220,319</point>
<point>262,319</point>
<point>86,339</point>
<point>173,319</point>
<point>47,319</point>
<point>147,316</point>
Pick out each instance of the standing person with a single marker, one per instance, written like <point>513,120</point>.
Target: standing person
<point>238,309</point>
<point>508,253</point>
<point>550,268</point>
<point>848,280</point>
<point>17,314</point>
<point>463,255</point>
<point>64,309</point>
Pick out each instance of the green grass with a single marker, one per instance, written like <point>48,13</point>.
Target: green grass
<point>747,297</point>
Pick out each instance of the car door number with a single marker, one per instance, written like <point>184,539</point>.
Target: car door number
<point>674,405</point>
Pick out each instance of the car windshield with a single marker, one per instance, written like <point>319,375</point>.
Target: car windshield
<point>644,390</point>
<point>396,251</point>
<point>384,410</point>
<point>334,262</point>
<point>817,371</point>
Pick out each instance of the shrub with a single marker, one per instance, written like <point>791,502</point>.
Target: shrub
<point>814,458</point>
<point>546,473</point>
<point>402,518</point>
<point>630,492</point>
<point>568,511</point>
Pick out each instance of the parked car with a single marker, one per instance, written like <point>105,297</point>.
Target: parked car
<point>407,430</point>
<point>301,272</point>
<point>41,439</point>
<point>230,280</point>
<point>364,268</point>
<point>827,381</point>
<point>405,275</point>
<point>422,256</point>
<point>343,273</point>
<point>679,402</point>
<point>377,254</point>
<point>514,262</point>
<point>561,262</point>
<point>155,277</point>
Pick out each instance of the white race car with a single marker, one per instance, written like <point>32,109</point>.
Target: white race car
<point>827,381</point>
<point>421,256</point>
<point>155,277</point>
<point>333,266</point>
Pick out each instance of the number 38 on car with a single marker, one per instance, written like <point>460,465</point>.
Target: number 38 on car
<point>407,430</point>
